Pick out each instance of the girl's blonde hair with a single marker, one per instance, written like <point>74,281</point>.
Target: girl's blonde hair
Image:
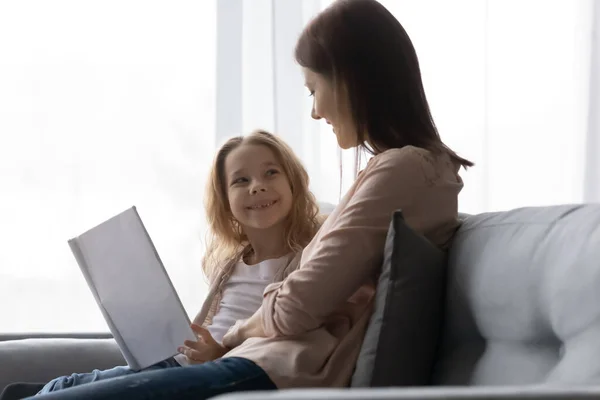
<point>225,238</point>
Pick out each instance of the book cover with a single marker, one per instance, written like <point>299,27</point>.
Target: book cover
<point>133,290</point>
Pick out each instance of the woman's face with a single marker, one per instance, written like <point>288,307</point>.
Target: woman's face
<point>331,106</point>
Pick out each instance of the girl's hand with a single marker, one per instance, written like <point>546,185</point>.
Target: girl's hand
<point>203,350</point>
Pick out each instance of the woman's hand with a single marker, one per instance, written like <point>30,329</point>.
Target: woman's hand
<point>204,349</point>
<point>244,329</point>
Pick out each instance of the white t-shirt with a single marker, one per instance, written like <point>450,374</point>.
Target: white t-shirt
<point>242,296</point>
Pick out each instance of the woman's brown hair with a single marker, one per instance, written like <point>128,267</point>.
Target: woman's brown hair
<point>226,239</point>
<point>361,47</point>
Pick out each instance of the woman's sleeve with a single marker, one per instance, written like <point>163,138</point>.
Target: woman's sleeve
<point>349,252</point>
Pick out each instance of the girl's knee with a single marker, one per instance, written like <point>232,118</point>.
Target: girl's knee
<point>54,385</point>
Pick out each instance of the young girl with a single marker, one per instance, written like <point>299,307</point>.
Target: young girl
<point>260,215</point>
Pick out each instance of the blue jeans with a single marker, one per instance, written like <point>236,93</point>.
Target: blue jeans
<point>201,381</point>
<point>64,382</point>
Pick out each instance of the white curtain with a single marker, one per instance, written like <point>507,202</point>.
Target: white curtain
<point>512,86</point>
<point>104,105</point>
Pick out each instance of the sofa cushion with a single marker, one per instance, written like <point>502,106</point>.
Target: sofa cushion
<point>40,360</point>
<point>403,333</point>
<point>523,299</point>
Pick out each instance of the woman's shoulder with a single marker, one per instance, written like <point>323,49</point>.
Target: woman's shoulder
<point>415,162</point>
<point>406,154</point>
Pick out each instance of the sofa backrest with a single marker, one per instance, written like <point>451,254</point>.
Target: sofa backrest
<point>523,299</point>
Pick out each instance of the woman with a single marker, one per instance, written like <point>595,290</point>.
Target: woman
<point>362,70</point>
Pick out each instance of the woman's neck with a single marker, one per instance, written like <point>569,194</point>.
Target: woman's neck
<point>266,244</point>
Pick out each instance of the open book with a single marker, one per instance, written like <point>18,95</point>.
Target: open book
<point>132,289</point>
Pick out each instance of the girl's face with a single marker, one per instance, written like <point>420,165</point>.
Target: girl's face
<point>259,192</point>
<point>331,106</point>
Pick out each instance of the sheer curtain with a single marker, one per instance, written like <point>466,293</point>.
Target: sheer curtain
<point>103,105</point>
<point>108,104</point>
<point>513,85</point>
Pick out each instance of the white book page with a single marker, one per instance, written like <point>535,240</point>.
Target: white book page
<point>134,290</point>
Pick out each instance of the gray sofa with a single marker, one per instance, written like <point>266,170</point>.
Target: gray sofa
<point>522,317</point>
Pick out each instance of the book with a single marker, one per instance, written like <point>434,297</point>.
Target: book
<point>133,290</point>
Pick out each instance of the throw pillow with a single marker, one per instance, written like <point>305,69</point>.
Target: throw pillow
<point>401,341</point>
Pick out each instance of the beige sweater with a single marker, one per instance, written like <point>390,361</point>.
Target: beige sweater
<point>315,320</point>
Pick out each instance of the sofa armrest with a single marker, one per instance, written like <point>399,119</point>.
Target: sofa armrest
<point>42,359</point>
<point>433,393</point>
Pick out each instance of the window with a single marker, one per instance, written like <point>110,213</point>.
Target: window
<point>105,105</point>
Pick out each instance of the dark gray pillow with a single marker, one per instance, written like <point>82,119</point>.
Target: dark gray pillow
<point>401,341</point>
